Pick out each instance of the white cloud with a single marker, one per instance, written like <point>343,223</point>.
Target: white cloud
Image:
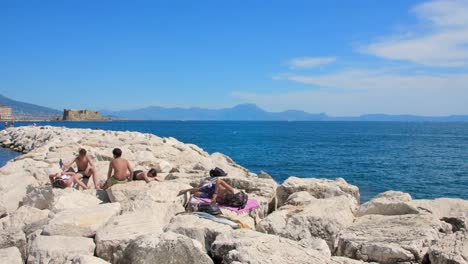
<point>446,45</point>
<point>310,62</point>
<point>360,92</point>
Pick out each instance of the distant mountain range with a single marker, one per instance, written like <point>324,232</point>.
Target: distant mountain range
<point>247,112</point>
<point>25,110</point>
<point>251,112</point>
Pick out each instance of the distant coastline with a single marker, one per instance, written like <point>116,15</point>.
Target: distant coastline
<point>243,112</point>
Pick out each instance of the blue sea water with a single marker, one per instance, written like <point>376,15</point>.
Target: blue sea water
<point>425,159</point>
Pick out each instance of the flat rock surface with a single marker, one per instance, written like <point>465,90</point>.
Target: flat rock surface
<point>112,239</point>
<point>389,203</point>
<point>14,238</point>
<point>246,246</point>
<point>57,249</point>
<point>389,239</point>
<point>81,222</point>
<point>319,188</point>
<point>323,218</point>
<point>10,255</point>
<point>452,249</point>
<point>202,230</point>
<point>166,248</point>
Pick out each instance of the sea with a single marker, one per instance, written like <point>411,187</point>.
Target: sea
<point>426,159</point>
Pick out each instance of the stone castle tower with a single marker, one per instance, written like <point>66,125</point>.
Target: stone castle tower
<point>81,115</point>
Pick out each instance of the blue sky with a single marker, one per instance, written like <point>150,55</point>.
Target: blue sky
<point>338,57</point>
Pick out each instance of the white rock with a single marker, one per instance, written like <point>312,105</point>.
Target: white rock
<point>451,249</point>
<point>84,259</point>
<point>389,239</point>
<point>166,248</point>
<point>323,218</point>
<point>246,246</point>
<point>13,189</point>
<point>152,197</point>
<point>453,211</point>
<point>112,239</point>
<point>57,249</point>
<point>10,255</point>
<point>81,222</point>
<point>13,238</point>
<point>26,218</point>
<point>344,260</point>
<point>59,199</point>
<point>163,167</point>
<point>316,244</point>
<point>202,230</point>
<point>388,203</point>
<point>319,188</point>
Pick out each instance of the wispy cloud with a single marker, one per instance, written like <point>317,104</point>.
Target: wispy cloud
<point>310,62</point>
<point>445,45</point>
<point>409,88</point>
<point>356,92</point>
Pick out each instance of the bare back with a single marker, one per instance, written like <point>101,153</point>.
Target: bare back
<point>121,168</point>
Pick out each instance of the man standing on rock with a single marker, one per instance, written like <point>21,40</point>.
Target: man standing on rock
<point>118,168</point>
<point>85,166</point>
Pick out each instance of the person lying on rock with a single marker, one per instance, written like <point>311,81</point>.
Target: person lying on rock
<point>118,168</point>
<point>216,191</point>
<point>85,166</point>
<point>146,176</point>
<point>65,179</point>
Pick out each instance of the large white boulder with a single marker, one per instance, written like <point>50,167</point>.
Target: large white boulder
<point>60,199</point>
<point>165,248</point>
<point>26,218</point>
<point>344,260</point>
<point>452,248</point>
<point>323,218</point>
<point>14,238</point>
<point>203,230</point>
<point>58,249</point>
<point>452,211</point>
<point>113,239</point>
<point>81,222</point>
<point>139,195</point>
<point>10,255</point>
<point>85,259</point>
<point>13,189</point>
<point>319,188</point>
<point>389,203</point>
<point>389,239</point>
<point>246,246</point>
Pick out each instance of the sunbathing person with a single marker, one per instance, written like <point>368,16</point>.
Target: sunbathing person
<point>65,179</point>
<point>146,176</point>
<point>216,191</point>
<point>118,168</point>
<point>85,166</point>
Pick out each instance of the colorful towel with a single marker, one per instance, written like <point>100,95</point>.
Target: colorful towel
<point>251,205</point>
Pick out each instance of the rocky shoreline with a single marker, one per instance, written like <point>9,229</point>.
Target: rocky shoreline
<point>299,221</point>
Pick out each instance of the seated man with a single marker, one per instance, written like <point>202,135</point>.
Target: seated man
<point>85,166</point>
<point>118,168</point>
<point>216,191</point>
<point>65,179</point>
<point>146,176</point>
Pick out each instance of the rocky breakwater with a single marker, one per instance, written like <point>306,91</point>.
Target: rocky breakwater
<point>299,221</point>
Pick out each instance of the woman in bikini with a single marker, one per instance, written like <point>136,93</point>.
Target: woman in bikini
<point>65,179</point>
<point>146,176</point>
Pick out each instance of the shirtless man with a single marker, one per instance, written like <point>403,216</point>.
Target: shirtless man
<point>213,190</point>
<point>65,179</point>
<point>118,168</point>
<point>146,176</point>
<point>85,166</point>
